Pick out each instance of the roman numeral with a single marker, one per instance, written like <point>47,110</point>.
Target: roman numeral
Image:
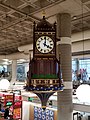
<point>51,44</point>
<point>38,47</point>
<point>38,44</point>
<point>41,49</point>
<point>44,50</point>
<point>41,39</point>
<point>50,41</point>
<point>45,37</point>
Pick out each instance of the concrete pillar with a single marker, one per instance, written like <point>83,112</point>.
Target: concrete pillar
<point>64,102</point>
<point>14,71</point>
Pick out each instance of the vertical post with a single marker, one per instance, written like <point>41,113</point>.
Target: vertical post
<point>21,110</point>
<point>29,71</point>
<point>59,70</point>
<point>13,102</point>
<point>21,103</point>
<point>64,101</point>
<point>77,68</point>
<point>14,71</point>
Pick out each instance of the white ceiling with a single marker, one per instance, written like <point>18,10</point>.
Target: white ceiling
<point>17,17</point>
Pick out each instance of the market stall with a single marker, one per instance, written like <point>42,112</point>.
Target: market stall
<point>14,102</point>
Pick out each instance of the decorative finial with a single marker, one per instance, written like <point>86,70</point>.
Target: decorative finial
<point>59,57</point>
<point>43,14</point>
<point>30,57</point>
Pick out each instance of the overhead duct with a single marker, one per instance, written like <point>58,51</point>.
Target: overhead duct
<point>26,48</point>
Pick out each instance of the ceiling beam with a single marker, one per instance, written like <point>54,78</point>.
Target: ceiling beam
<point>31,4</point>
<point>20,19</point>
<point>13,23</point>
<point>21,12</point>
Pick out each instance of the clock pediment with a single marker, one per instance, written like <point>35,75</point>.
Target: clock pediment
<point>44,25</point>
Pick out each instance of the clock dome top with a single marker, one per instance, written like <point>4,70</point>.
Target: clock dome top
<point>44,25</point>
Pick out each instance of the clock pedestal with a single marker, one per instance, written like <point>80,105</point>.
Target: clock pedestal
<point>44,78</point>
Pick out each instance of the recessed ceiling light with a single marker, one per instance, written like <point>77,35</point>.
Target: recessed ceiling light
<point>5,59</point>
<point>74,17</point>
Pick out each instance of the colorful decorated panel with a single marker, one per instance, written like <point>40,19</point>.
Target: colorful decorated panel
<point>17,113</point>
<point>45,82</point>
<point>39,114</point>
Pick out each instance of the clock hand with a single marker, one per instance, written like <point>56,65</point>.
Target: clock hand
<point>44,44</point>
<point>44,41</point>
<point>48,46</point>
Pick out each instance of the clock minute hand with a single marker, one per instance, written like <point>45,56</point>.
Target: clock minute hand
<point>44,41</point>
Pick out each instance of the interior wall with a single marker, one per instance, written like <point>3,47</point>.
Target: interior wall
<point>25,110</point>
<point>81,46</point>
<point>80,35</point>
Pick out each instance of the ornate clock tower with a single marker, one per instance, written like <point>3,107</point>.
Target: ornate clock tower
<point>44,69</point>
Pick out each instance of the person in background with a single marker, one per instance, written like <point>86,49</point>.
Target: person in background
<point>6,114</point>
<point>0,104</point>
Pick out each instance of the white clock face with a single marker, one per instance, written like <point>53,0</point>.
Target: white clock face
<point>44,44</point>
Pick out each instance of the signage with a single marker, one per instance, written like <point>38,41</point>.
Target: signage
<point>30,99</point>
<point>9,103</point>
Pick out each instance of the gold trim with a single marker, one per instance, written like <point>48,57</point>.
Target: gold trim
<point>37,58</point>
<point>51,58</point>
<point>44,79</point>
<point>44,32</point>
<point>44,54</point>
<point>43,106</point>
<point>44,58</point>
<point>50,91</point>
<point>38,84</point>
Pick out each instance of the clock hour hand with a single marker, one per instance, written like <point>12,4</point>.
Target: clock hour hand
<point>48,46</point>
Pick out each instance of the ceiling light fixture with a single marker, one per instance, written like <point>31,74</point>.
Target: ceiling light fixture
<point>5,59</point>
<point>82,93</point>
<point>74,17</point>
